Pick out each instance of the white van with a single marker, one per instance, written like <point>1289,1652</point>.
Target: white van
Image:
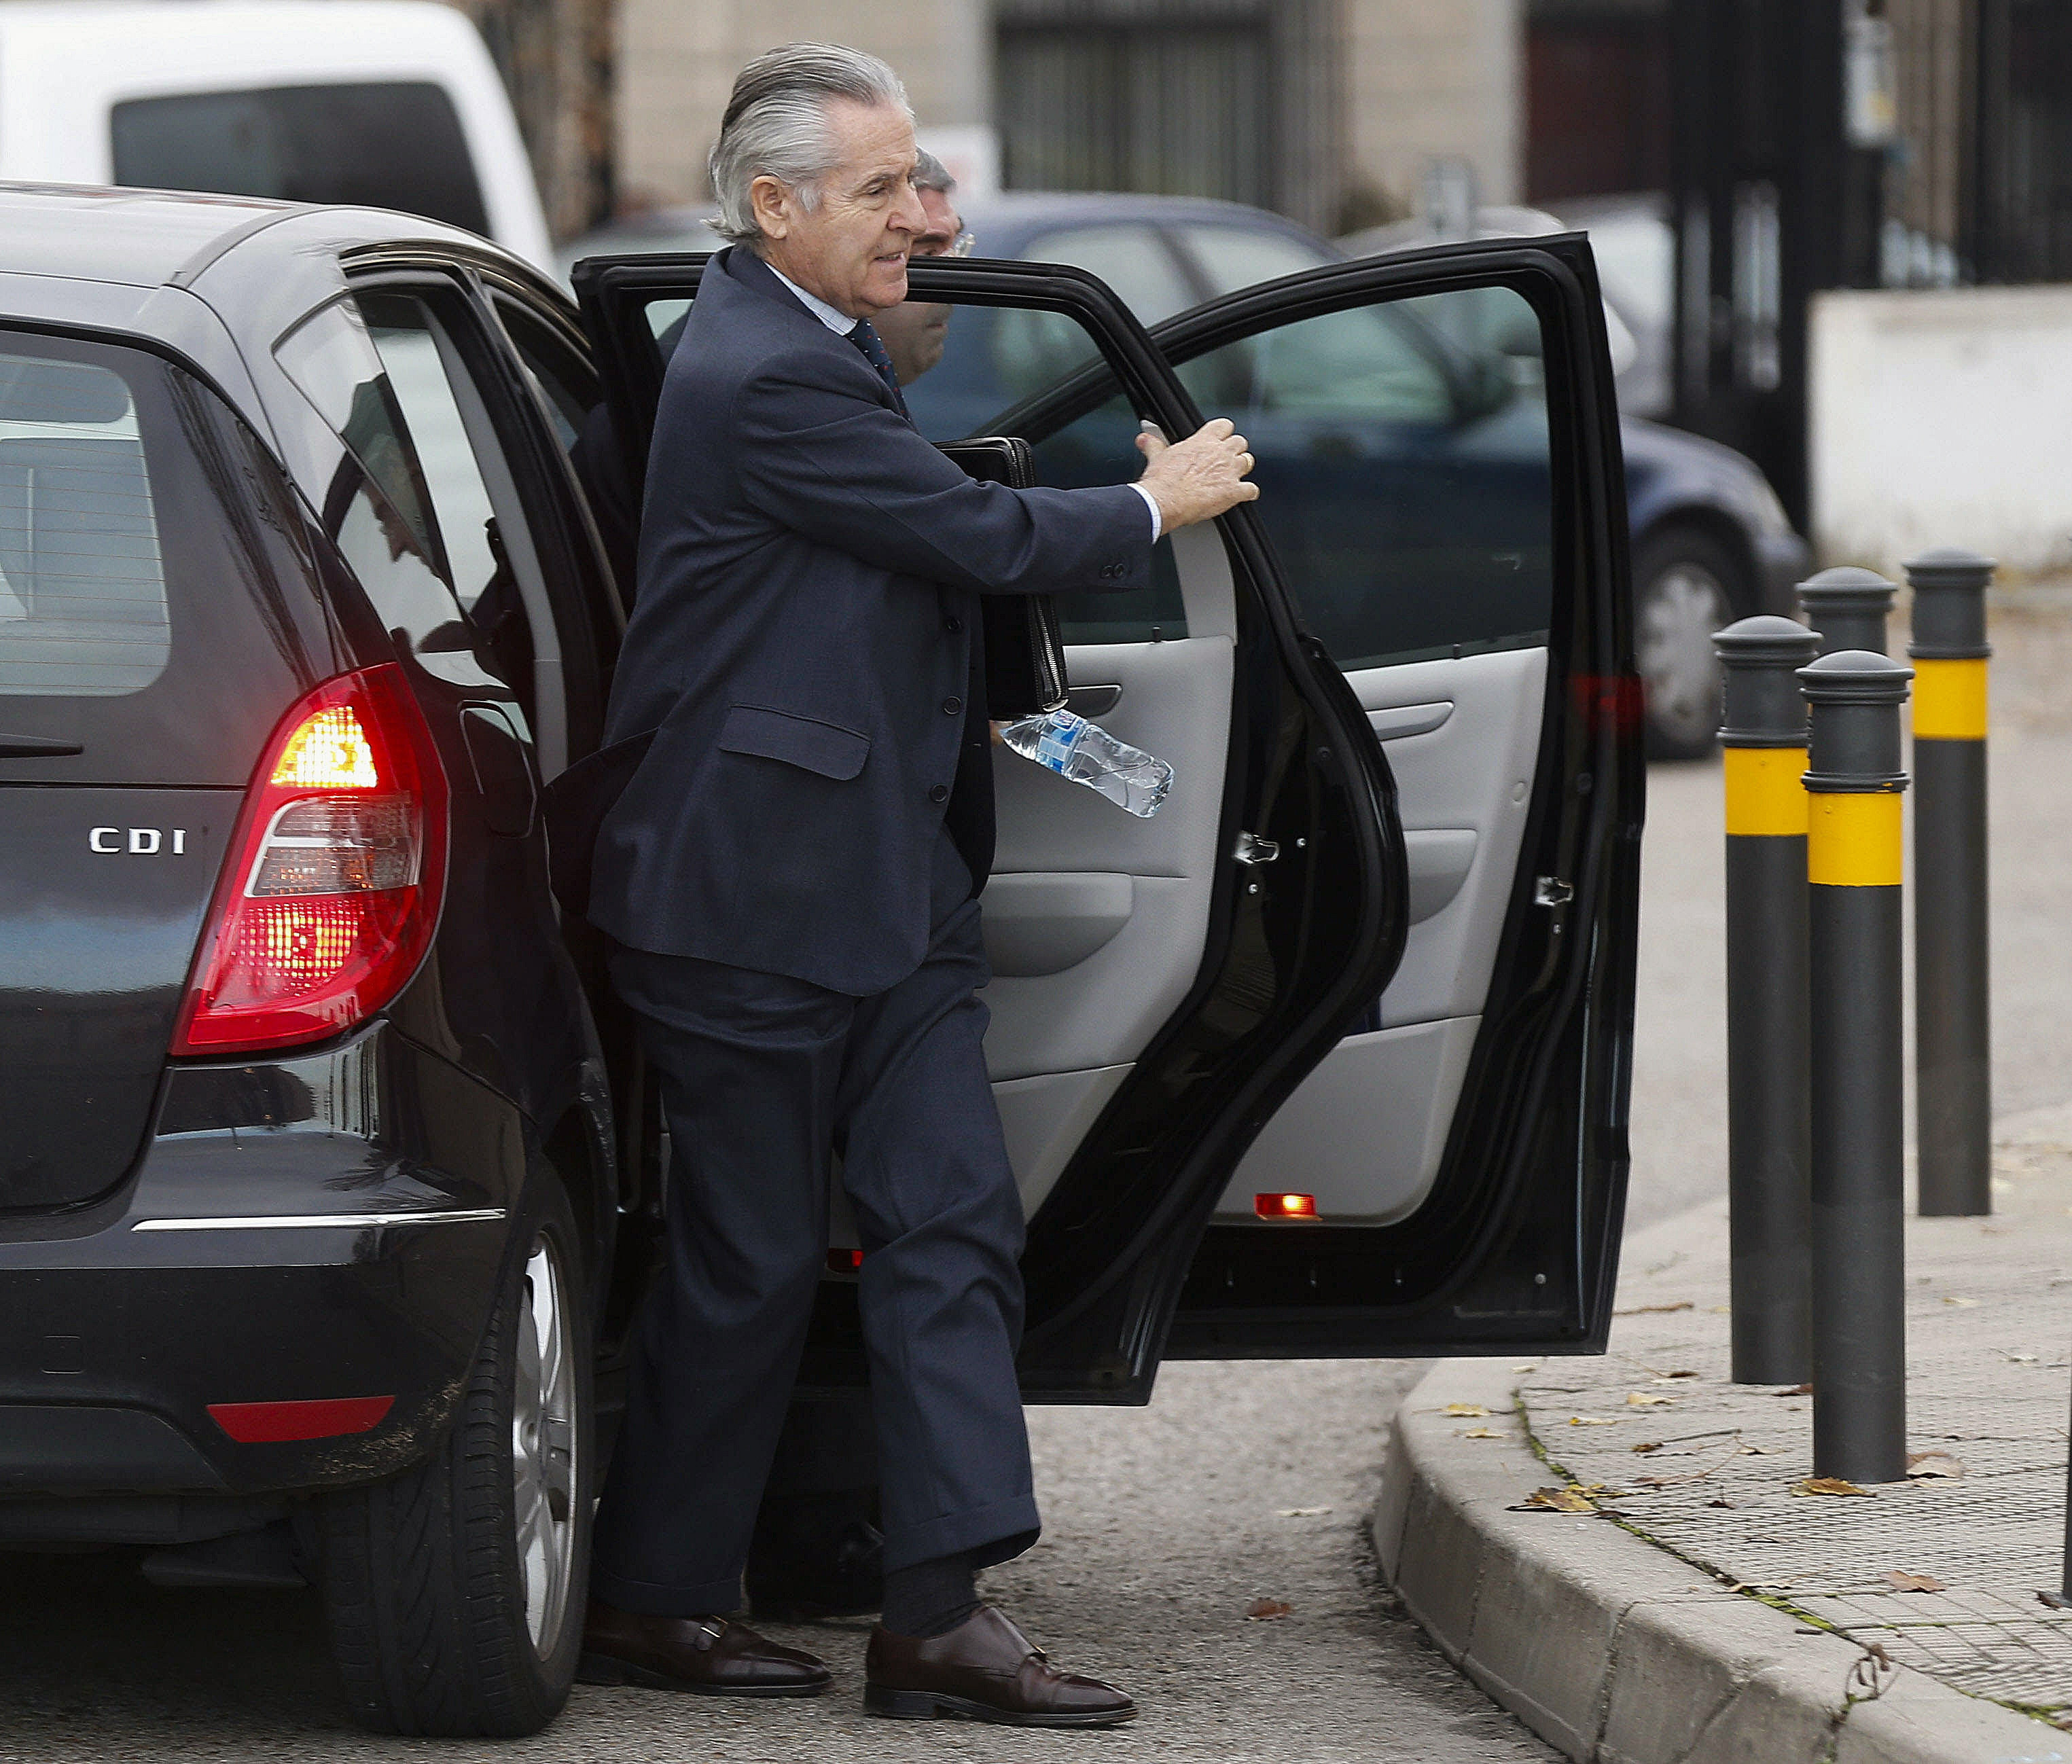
<point>391,104</point>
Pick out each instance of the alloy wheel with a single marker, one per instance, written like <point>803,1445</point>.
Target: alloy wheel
<point>1678,611</point>
<point>542,1446</point>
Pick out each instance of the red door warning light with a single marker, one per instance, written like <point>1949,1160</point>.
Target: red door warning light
<point>1284,1206</point>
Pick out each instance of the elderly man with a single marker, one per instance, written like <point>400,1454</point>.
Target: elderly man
<point>816,1552</point>
<point>791,879</point>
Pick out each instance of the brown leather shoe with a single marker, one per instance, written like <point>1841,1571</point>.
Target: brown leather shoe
<point>987,1670</point>
<point>706,1654</point>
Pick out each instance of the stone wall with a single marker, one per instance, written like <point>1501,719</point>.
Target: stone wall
<point>677,59</point>
<point>1436,77</point>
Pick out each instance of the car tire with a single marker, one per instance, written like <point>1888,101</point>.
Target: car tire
<point>456,1590</point>
<point>1687,585</point>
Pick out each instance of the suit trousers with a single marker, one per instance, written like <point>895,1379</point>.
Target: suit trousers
<point>763,1080</point>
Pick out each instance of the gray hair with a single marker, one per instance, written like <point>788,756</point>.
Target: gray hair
<point>929,173</point>
<point>776,124</point>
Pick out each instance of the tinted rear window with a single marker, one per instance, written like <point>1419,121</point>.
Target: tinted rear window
<point>394,145</point>
<point>157,607</point>
<point>82,584</point>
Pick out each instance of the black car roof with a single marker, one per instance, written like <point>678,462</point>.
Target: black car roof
<point>150,238</point>
<point>216,279</point>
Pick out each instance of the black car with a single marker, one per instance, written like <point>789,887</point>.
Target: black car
<point>328,1172</point>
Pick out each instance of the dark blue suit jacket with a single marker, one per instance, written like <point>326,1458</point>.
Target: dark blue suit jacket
<point>802,639</point>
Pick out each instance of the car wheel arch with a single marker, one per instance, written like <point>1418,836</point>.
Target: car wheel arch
<point>1720,527</point>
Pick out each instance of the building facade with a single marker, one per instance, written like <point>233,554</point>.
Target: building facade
<point>1325,109</point>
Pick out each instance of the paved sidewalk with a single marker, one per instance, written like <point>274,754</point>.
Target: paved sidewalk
<point>1700,1604</point>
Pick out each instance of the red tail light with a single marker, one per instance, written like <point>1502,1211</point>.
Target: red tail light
<point>331,891</point>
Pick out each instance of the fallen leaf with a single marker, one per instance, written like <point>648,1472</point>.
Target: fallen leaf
<point>1529,1366</point>
<point>2052,1599</point>
<point>1262,1610</point>
<point>1466,1411</point>
<point>1900,1582</point>
<point>1555,1500</point>
<point>1482,1433</point>
<point>1302,1512</point>
<point>1872,1674</point>
<point>1760,1451</point>
<point>1961,1303</point>
<point>1657,1310</point>
<point>1796,1390</point>
<point>1593,1421</point>
<point>1649,1445</point>
<point>1646,1400</point>
<point>2023,1359</point>
<point>1827,1484</point>
<point>1925,1466</point>
<point>1719,1500</point>
<point>1676,1375</point>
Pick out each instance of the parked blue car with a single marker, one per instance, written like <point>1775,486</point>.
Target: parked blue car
<point>1711,542</point>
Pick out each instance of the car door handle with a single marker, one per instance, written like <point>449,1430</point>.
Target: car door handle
<point>1397,720</point>
<point>1091,701</point>
<point>36,746</point>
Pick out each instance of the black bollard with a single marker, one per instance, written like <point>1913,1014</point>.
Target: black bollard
<point>1952,1028</point>
<point>1768,1098</point>
<point>1854,859</point>
<point>1848,607</point>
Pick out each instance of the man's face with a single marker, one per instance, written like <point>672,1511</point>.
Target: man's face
<point>850,247</point>
<point>914,332</point>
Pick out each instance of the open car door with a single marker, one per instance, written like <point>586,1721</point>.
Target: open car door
<point>1161,986</point>
<point>1441,482</point>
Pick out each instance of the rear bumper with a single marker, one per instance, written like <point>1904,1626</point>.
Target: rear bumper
<point>306,1229</point>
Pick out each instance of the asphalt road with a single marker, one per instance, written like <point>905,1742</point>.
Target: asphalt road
<point>1239,1482</point>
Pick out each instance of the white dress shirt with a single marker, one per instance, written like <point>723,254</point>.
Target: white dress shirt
<point>842,325</point>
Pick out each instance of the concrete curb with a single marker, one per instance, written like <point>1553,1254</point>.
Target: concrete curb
<point>1617,1652</point>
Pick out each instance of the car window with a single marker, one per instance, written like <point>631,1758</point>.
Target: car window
<point>401,330</point>
<point>1031,350</point>
<point>1235,258</point>
<point>83,607</point>
<point>1364,363</point>
<point>384,144</point>
<point>376,504</point>
<point>1131,259</point>
<point>564,379</point>
<point>483,535</point>
<point>157,605</point>
<point>1403,475</point>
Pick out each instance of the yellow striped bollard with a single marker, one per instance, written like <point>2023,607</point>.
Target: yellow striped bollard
<point>1952,1028</point>
<point>1763,740</point>
<point>1854,860</point>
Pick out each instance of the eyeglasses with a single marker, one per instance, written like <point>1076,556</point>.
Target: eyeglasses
<point>959,246</point>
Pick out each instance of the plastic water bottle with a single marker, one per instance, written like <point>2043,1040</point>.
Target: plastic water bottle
<point>1088,754</point>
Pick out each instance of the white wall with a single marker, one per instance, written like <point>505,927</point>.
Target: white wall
<point>1942,417</point>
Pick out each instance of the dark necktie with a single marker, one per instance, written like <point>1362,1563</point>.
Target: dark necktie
<point>867,339</point>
